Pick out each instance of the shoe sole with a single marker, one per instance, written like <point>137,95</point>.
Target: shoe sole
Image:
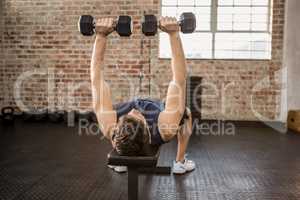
<point>187,171</point>
<point>175,172</point>
<point>190,170</point>
<point>111,167</point>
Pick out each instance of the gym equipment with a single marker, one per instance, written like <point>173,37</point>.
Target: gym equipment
<point>56,116</point>
<point>89,115</point>
<point>293,121</point>
<point>123,27</point>
<point>84,116</point>
<point>137,165</point>
<point>70,116</point>
<point>35,116</point>
<point>187,23</point>
<point>8,116</point>
<point>28,117</point>
<point>93,117</point>
<point>41,117</point>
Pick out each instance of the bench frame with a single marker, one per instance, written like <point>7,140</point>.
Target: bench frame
<point>137,165</point>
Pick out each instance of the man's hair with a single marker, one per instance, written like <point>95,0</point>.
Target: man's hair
<point>130,136</point>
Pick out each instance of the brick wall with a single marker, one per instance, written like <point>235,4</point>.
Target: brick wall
<point>47,60</point>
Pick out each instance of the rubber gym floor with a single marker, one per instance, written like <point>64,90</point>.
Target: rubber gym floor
<point>52,161</point>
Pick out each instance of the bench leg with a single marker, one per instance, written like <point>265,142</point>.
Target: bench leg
<point>133,183</point>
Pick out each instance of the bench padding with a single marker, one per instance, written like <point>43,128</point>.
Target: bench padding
<point>113,158</point>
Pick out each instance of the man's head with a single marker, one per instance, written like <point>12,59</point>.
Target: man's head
<point>131,134</point>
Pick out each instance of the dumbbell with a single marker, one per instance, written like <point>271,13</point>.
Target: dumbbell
<point>8,115</point>
<point>123,27</point>
<point>55,116</point>
<point>34,115</point>
<point>187,23</point>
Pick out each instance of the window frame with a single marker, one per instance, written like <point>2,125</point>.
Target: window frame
<point>214,28</point>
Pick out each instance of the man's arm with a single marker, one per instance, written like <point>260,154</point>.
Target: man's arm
<point>102,102</point>
<point>175,100</point>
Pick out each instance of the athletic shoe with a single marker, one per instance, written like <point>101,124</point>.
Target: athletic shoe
<point>119,169</point>
<point>186,166</point>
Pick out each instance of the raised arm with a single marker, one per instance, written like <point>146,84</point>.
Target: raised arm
<point>176,95</point>
<point>179,75</point>
<point>102,102</point>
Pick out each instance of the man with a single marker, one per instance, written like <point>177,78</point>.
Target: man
<point>136,126</point>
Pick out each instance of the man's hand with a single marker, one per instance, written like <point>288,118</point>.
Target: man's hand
<point>169,25</point>
<point>104,26</point>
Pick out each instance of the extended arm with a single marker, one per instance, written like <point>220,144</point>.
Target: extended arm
<point>175,100</point>
<point>179,75</point>
<point>102,102</point>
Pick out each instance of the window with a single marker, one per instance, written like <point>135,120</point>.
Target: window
<point>226,29</point>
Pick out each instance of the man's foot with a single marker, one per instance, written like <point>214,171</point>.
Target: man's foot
<point>186,166</point>
<point>119,169</point>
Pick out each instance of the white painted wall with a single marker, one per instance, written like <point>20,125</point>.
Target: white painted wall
<point>292,56</point>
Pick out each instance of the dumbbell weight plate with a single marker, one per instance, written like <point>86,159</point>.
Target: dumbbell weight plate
<point>187,22</point>
<point>124,26</point>
<point>149,25</point>
<point>86,25</point>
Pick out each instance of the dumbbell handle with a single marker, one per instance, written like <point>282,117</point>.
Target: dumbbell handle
<point>159,25</point>
<point>115,22</point>
<point>179,22</point>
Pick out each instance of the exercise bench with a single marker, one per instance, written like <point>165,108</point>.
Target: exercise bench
<point>137,165</point>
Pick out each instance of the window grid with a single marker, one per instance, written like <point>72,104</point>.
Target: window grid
<point>214,25</point>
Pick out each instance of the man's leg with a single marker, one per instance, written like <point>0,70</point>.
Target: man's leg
<point>182,164</point>
<point>183,137</point>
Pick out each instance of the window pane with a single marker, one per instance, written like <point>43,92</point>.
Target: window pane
<point>243,45</point>
<point>225,2</point>
<point>243,18</point>
<point>260,2</point>
<point>169,2</point>
<point>259,10</point>
<point>259,26</point>
<point>232,18</point>
<point>241,54</point>
<point>186,2</point>
<point>259,18</point>
<point>241,26</point>
<point>169,11</point>
<point>203,17</point>
<point>261,54</point>
<point>241,22</point>
<point>225,26</point>
<point>242,2</point>
<point>196,45</point>
<point>194,2</point>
